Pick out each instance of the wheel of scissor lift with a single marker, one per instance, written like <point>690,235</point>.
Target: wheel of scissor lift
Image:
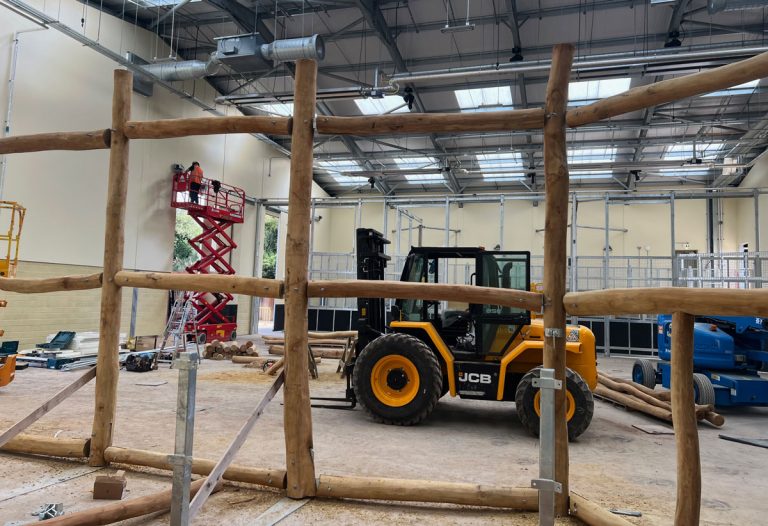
<point>397,379</point>
<point>201,338</point>
<point>703,390</point>
<point>233,336</point>
<point>581,405</point>
<point>644,373</point>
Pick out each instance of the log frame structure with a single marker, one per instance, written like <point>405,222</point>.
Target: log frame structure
<point>298,479</point>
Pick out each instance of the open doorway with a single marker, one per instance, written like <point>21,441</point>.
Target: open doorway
<point>269,265</point>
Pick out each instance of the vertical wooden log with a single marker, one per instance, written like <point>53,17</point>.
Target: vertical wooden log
<point>684,420</point>
<point>298,417</point>
<point>107,365</point>
<point>555,247</point>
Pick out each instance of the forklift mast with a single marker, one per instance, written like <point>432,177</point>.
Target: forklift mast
<point>371,263</point>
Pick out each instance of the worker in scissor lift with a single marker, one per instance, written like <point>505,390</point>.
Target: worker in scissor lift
<point>195,181</point>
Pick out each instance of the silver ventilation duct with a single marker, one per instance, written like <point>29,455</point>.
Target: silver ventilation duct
<point>715,6</point>
<point>184,70</point>
<point>294,49</point>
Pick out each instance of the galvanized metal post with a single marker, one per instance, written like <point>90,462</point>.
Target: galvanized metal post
<point>257,263</point>
<point>546,483</point>
<point>385,213</point>
<point>134,308</point>
<point>398,231</point>
<point>181,460</point>
<point>312,237</point>
<point>447,224</point>
<point>501,222</point>
<point>606,269</point>
<point>758,263</point>
<point>574,231</point>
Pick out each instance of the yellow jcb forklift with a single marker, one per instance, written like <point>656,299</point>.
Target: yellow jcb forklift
<point>428,349</point>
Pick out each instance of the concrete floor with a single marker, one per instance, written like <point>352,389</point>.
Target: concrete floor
<point>613,463</point>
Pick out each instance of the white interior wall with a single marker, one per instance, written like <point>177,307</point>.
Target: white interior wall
<point>739,214</point>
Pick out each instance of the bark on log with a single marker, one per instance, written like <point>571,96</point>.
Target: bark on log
<point>41,142</point>
<point>120,511</point>
<point>274,478</point>
<point>374,488</point>
<point>555,250</point>
<point>170,128</point>
<point>48,446</point>
<point>265,288</point>
<point>688,502</point>
<point>360,288</point>
<point>664,300</point>
<point>33,286</point>
<point>107,364</point>
<point>432,123</point>
<point>297,413</point>
<point>671,90</point>
<point>594,515</point>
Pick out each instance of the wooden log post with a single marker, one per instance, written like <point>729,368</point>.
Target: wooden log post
<point>684,420</point>
<point>41,142</point>
<point>298,416</point>
<point>107,364</point>
<point>555,255</point>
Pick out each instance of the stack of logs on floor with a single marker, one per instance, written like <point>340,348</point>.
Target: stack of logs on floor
<point>217,350</point>
<point>649,401</point>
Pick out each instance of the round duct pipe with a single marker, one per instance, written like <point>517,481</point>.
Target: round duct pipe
<point>184,70</point>
<point>294,49</point>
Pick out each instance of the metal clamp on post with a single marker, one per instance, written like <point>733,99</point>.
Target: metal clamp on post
<point>181,460</point>
<point>546,484</point>
<point>553,332</point>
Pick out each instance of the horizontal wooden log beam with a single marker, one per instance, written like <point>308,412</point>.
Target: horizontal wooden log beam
<point>53,447</point>
<point>264,288</point>
<point>274,478</point>
<point>428,291</point>
<point>41,142</point>
<point>667,300</point>
<point>171,128</point>
<point>122,510</point>
<point>497,121</point>
<point>375,488</point>
<point>33,286</point>
<point>671,90</point>
<point>592,514</point>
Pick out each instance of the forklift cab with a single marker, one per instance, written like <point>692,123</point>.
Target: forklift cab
<point>478,329</point>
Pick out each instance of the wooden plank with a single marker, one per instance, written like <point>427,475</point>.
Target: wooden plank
<point>217,472</point>
<point>555,250</point>
<point>33,286</point>
<point>671,90</point>
<point>297,419</point>
<point>274,478</point>
<point>684,419</point>
<point>265,288</point>
<point>361,288</point>
<point>377,488</point>
<point>665,300</point>
<point>107,363</point>
<point>46,406</point>
<point>432,123</point>
<point>170,128</point>
<point>278,511</point>
<point>41,142</point>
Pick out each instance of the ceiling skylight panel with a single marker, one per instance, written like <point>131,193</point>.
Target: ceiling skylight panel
<point>484,99</point>
<point>592,155</point>
<point>587,91</point>
<point>387,104</point>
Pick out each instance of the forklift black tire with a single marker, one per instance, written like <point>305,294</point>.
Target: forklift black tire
<point>644,373</point>
<point>703,390</point>
<point>201,338</point>
<point>580,395</point>
<point>397,379</point>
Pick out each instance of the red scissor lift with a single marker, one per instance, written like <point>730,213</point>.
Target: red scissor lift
<point>218,207</point>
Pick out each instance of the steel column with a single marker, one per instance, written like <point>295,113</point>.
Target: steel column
<point>258,256</point>
<point>186,363</point>
<point>501,222</point>
<point>134,307</point>
<point>672,240</point>
<point>546,483</point>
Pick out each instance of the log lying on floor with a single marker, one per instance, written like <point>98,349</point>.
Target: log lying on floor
<point>375,488</point>
<point>334,334</point>
<point>594,515</point>
<point>331,354</point>
<point>664,396</point>
<point>634,398</point>
<point>120,511</point>
<point>274,478</point>
<point>275,367</point>
<point>49,446</point>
